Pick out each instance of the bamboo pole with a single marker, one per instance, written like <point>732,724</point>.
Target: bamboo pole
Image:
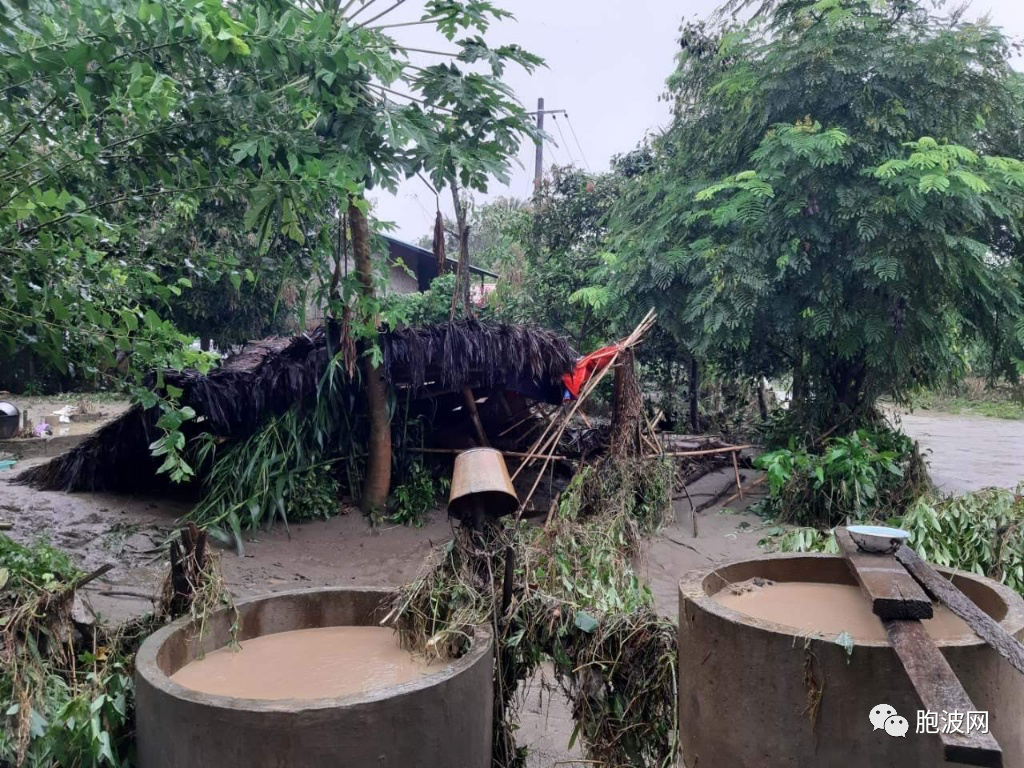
<point>547,444</point>
<point>510,454</point>
<point>630,341</point>
<point>706,452</point>
<point>474,414</point>
<point>736,469</point>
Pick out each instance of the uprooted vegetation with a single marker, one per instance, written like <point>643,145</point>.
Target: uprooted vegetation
<point>576,602</point>
<point>67,680</point>
<point>870,473</point>
<point>981,532</point>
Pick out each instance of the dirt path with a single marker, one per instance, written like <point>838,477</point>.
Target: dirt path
<point>966,453</point>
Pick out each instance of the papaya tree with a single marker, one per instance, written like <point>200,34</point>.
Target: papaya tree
<point>120,112</point>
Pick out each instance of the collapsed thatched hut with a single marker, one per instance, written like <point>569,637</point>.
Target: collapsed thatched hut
<point>269,376</point>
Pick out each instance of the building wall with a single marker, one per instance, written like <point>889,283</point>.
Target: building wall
<point>399,281</point>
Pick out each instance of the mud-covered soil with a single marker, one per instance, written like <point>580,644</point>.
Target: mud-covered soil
<point>129,531</point>
<point>965,453</point>
<point>89,411</point>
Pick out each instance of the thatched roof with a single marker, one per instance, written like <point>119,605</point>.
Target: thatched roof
<point>269,376</point>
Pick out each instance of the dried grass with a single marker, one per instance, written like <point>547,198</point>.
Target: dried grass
<point>270,377</point>
<point>577,603</point>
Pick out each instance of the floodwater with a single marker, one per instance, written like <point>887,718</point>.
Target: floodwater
<point>305,664</point>
<point>825,609</point>
<point>967,453</point>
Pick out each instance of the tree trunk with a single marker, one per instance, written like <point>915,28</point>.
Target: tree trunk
<point>440,258</point>
<point>762,402</point>
<point>204,343</point>
<point>378,463</point>
<point>694,395</point>
<point>796,394</point>
<point>464,266</point>
<point>463,227</point>
<point>627,409</point>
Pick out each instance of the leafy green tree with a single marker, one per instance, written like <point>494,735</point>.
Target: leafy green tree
<point>554,249</point>
<point>237,293</point>
<point>833,199</point>
<point>117,111</point>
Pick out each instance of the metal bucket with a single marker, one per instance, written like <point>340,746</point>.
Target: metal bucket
<point>10,420</point>
<point>481,477</point>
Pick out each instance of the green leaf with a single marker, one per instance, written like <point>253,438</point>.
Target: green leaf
<point>585,622</point>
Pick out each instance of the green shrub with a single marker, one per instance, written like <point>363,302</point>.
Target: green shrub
<point>278,473</point>
<point>39,566</point>
<point>412,500</point>
<point>865,474</point>
<point>980,532</point>
<point>313,494</point>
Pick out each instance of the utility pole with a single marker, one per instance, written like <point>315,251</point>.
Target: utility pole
<point>538,170</point>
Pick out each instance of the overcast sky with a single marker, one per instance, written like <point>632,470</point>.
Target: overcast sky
<point>607,61</point>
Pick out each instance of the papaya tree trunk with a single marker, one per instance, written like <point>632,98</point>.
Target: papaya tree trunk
<point>377,483</point>
<point>463,226</point>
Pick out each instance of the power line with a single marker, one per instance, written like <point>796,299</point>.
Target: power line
<point>578,146</point>
<point>565,144</point>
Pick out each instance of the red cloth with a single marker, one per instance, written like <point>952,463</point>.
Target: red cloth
<point>587,367</point>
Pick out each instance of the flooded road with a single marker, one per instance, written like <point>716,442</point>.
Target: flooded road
<point>965,453</point>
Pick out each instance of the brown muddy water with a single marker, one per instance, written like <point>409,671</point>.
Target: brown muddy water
<point>305,664</point>
<point>825,609</point>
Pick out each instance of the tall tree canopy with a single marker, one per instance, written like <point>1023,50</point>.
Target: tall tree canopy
<point>839,196</point>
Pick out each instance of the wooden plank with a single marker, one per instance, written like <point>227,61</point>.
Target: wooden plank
<point>893,592</point>
<point>940,691</point>
<point>941,589</point>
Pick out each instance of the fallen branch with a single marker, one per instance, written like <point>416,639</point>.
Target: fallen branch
<point>735,496</point>
<point>79,583</point>
<point>714,499</point>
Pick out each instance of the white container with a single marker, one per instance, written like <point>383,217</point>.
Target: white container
<point>877,539</point>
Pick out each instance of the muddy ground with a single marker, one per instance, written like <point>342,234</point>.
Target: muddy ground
<point>965,452</point>
<point>128,531</point>
<point>89,411</point>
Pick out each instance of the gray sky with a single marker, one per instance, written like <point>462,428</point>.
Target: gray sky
<point>607,61</point>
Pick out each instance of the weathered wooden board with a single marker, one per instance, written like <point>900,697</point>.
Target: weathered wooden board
<point>940,691</point>
<point>893,592</point>
<point>940,588</point>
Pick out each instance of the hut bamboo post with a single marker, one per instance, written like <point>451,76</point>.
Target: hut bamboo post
<point>474,414</point>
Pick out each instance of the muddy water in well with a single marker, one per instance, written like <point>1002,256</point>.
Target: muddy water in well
<point>305,664</point>
<point>825,609</point>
